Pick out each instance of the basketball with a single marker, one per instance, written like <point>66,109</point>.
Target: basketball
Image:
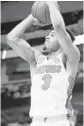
<point>40,11</point>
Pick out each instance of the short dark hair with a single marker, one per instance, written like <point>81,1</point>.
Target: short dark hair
<point>71,34</point>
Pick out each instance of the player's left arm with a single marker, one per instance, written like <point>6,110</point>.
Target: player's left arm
<point>70,50</point>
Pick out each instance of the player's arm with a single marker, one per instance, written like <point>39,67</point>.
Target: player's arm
<point>69,49</point>
<point>23,49</point>
<point>19,45</point>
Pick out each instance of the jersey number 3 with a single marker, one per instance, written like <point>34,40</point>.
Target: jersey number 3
<point>47,79</point>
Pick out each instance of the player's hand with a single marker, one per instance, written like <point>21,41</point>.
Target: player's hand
<point>53,2</point>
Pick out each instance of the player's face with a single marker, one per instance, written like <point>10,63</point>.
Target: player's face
<point>51,43</point>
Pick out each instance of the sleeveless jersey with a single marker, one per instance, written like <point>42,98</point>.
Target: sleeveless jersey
<point>49,87</point>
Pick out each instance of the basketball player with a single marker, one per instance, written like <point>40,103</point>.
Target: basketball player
<point>52,75</point>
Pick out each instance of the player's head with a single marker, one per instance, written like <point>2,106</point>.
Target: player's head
<point>52,44</point>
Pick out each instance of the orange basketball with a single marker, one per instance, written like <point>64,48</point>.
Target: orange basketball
<point>40,11</point>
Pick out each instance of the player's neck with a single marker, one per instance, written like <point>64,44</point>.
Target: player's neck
<point>52,54</point>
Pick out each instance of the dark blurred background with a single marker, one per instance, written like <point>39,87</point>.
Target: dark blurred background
<point>15,74</point>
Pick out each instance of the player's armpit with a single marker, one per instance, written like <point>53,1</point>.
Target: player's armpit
<point>37,53</point>
<point>69,48</point>
<point>72,70</point>
<point>22,48</point>
<point>74,57</point>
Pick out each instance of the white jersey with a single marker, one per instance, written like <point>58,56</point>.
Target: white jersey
<point>49,87</point>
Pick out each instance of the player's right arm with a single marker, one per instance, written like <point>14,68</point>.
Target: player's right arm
<point>14,40</point>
